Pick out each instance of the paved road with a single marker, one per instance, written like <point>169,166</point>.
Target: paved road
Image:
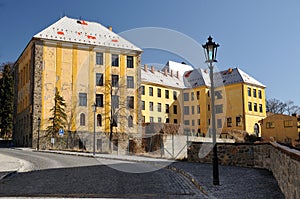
<point>56,175</point>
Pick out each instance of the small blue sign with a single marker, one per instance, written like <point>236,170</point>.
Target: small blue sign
<point>61,132</point>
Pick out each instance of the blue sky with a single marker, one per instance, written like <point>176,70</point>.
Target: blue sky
<point>261,37</point>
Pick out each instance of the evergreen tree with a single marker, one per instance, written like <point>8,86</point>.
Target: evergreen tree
<point>6,100</point>
<point>59,116</point>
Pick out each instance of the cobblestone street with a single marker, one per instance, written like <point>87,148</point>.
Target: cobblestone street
<point>57,175</point>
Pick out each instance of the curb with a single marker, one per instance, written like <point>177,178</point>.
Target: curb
<point>189,177</point>
<point>8,175</point>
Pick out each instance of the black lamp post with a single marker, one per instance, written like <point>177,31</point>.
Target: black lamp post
<point>210,49</point>
<point>94,110</point>
<point>38,138</point>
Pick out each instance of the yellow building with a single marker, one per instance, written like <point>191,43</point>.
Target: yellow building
<point>239,99</point>
<point>87,63</point>
<point>281,128</point>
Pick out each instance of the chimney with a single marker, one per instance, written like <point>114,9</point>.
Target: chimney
<point>230,70</point>
<point>152,69</point>
<point>171,73</point>
<point>166,72</point>
<point>177,74</point>
<point>146,67</point>
<point>110,28</point>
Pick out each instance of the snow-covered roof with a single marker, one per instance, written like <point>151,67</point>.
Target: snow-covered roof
<point>163,78</point>
<point>84,32</point>
<point>175,66</point>
<point>199,77</point>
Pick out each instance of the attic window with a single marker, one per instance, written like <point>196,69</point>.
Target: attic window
<point>82,22</point>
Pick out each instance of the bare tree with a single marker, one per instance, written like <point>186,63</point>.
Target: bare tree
<point>278,107</point>
<point>275,106</point>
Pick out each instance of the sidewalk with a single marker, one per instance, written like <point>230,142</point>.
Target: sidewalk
<point>10,165</point>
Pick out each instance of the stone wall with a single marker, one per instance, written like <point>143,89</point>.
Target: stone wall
<point>282,161</point>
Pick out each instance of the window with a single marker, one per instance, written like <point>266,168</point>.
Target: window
<point>143,119</point>
<point>174,95</point>
<point>151,106</point>
<point>130,82</point>
<point>186,122</point>
<point>198,95</point>
<point>159,119</point>
<point>150,91</point>
<point>167,94</point>
<point>186,110</point>
<point>99,58</point>
<point>192,95</point>
<point>158,92</point>
<point>219,108</point>
<point>260,108</point>
<point>167,108</point>
<point>115,60</point>
<point>159,107</point>
<point>238,121</point>
<point>99,100</point>
<point>99,79</point>
<point>208,93</point>
<point>259,94</point>
<point>151,119</point>
<point>249,106</point>
<point>219,123</point>
<point>288,123</point>
<point>129,61</point>
<point>130,121</point>
<point>186,96</point>
<point>208,107</point>
<point>114,101</point>
<point>130,102</point>
<point>229,122</point>
<point>270,125</point>
<point>254,92</point>
<point>99,120</point>
<point>82,99</point>
<point>198,109</point>
<point>167,120</point>
<point>115,120</point>
<point>249,92</point>
<point>218,94</point>
<point>142,90</point>
<point>193,122</point>
<point>255,107</point>
<point>175,109</point>
<point>175,121</point>
<point>198,121</point>
<point>82,119</point>
<point>143,105</point>
<point>208,121</point>
<point>115,80</point>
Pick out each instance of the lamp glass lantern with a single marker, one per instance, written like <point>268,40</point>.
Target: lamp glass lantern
<point>210,50</point>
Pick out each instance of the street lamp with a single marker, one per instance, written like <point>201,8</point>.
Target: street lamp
<point>94,140</point>
<point>210,51</point>
<point>38,138</point>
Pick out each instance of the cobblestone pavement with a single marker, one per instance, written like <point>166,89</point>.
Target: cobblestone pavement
<point>177,180</point>
<point>97,180</point>
<point>235,182</point>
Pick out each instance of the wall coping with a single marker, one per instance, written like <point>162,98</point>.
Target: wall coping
<point>292,153</point>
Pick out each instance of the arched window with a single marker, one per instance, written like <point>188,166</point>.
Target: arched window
<point>99,120</point>
<point>82,119</point>
<point>130,121</point>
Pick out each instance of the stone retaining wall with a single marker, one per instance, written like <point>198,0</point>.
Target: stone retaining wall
<point>282,161</point>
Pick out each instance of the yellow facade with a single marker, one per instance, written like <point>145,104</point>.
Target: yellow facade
<point>72,69</point>
<point>236,109</point>
<point>280,127</point>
